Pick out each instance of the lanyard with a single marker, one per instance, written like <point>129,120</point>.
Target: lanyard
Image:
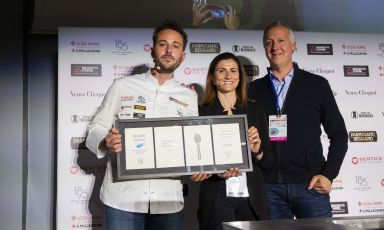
<point>277,94</point>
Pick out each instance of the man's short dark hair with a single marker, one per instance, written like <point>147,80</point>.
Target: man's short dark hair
<point>171,25</point>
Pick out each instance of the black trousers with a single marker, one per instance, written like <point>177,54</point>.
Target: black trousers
<point>228,209</point>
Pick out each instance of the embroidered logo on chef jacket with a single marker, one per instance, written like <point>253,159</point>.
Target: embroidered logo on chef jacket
<point>133,107</point>
<point>124,107</point>
<point>183,108</point>
<point>184,104</point>
<point>139,115</point>
<point>139,107</point>
<point>126,98</point>
<point>124,115</point>
<point>141,100</point>
<point>180,113</point>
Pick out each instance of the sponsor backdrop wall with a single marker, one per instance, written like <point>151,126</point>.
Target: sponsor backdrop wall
<point>90,58</point>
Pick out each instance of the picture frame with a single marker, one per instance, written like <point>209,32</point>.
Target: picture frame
<point>173,147</point>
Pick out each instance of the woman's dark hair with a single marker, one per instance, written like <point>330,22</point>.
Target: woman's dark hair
<point>210,88</point>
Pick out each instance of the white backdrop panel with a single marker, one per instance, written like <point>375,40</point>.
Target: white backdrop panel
<point>90,58</point>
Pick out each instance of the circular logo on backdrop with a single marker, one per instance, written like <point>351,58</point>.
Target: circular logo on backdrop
<point>187,71</point>
<point>354,114</point>
<point>74,169</point>
<point>355,160</point>
<point>382,182</point>
<point>75,118</point>
<point>147,48</point>
<point>236,48</point>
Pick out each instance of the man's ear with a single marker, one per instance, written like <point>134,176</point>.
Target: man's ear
<point>183,56</point>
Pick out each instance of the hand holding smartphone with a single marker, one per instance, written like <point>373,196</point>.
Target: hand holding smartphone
<point>217,11</point>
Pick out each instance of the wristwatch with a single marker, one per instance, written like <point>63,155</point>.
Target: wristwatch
<point>259,152</point>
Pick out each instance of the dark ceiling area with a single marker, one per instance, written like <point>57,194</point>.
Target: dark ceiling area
<point>346,16</point>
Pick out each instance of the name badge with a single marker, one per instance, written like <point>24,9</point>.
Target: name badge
<point>278,128</point>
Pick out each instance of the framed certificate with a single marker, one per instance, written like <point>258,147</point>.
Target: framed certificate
<point>171,147</point>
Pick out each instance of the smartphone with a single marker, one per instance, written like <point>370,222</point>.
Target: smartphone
<point>217,11</point>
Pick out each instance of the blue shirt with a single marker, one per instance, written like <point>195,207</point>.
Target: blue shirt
<point>277,84</point>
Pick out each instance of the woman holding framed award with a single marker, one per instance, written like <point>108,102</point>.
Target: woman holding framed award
<point>232,195</point>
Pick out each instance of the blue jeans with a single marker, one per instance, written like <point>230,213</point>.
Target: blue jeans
<point>122,220</point>
<point>289,200</point>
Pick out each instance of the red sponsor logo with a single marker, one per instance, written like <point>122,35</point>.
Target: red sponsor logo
<point>187,71</point>
<point>359,203</point>
<point>355,160</point>
<point>382,182</point>
<point>202,71</point>
<point>339,181</point>
<point>74,169</point>
<point>147,48</point>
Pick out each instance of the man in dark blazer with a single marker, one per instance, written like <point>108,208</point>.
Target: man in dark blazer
<point>298,103</point>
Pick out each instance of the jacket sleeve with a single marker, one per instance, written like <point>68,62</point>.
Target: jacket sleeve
<point>334,127</point>
<point>194,104</point>
<point>103,120</point>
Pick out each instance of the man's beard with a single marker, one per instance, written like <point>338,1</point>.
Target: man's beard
<point>162,68</point>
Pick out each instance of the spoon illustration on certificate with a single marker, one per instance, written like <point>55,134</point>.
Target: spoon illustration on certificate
<point>197,139</point>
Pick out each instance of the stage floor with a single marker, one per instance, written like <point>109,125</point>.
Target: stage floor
<point>336,223</point>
